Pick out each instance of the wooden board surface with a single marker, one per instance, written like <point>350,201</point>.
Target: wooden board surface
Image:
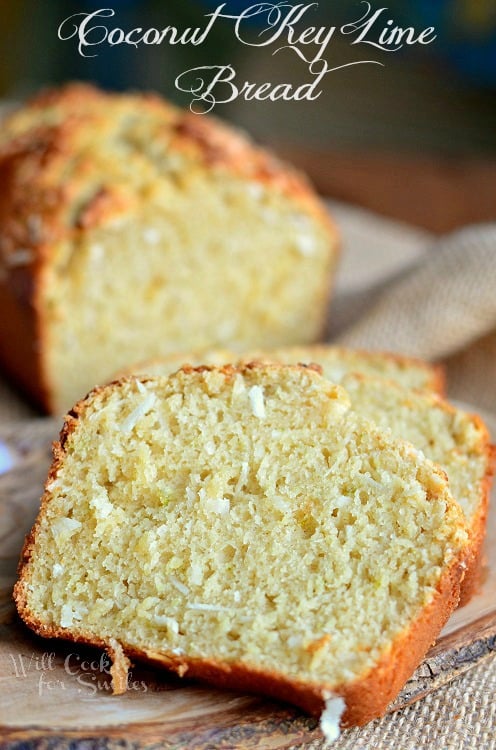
<point>456,191</point>
<point>57,695</point>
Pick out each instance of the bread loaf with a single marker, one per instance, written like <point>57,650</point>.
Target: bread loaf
<point>130,229</point>
<point>244,527</point>
<point>336,363</point>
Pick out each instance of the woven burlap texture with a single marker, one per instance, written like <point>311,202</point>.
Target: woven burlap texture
<point>460,716</point>
<point>403,290</point>
<point>441,308</point>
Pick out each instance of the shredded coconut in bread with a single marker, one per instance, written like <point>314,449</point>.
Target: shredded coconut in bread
<point>336,556</point>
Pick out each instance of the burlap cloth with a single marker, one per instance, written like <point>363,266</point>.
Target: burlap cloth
<point>403,290</point>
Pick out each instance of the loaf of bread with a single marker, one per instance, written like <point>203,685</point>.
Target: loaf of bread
<point>336,362</point>
<point>243,526</point>
<point>130,229</point>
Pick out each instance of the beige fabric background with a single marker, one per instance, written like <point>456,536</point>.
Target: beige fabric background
<point>400,289</point>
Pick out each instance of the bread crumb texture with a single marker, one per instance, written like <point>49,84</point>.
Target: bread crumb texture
<point>183,518</point>
<point>399,395</point>
<point>455,440</point>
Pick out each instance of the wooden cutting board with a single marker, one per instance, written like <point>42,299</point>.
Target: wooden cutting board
<point>58,695</point>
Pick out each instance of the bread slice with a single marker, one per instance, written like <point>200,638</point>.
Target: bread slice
<point>459,442</point>
<point>336,362</point>
<point>130,229</point>
<point>383,388</point>
<point>244,527</point>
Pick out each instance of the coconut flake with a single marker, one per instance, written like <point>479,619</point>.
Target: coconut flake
<point>67,616</point>
<point>238,385</point>
<point>178,585</point>
<point>152,236</point>
<point>294,641</point>
<point>220,505</point>
<point>65,527</point>
<point>137,413</point>
<point>102,505</point>
<point>254,190</point>
<point>342,501</point>
<point>140,386</point>
<point>78,614</point>
<point>196,573</point>
<point>416,453</point>
<point>243,477</point>
<point>206,607</point>
<point>226,329</point>
<point>256,396</point>
<point>57,570</point>
<point>329,719</point>
<point>305,245</point>
<point>268,215</point>
<point>96,252</point>
<point>281,504</point>
<point>169,622</point>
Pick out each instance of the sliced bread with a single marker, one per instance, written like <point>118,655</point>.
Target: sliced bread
<point>459,442</point>
<point>336,362</point>
<point>245,527</point>
<point>395,392</point>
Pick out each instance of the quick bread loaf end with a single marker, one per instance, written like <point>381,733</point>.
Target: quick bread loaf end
<point>131,229</point>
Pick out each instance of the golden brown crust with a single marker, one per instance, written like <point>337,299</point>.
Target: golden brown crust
<point>58,455</point>
<point>23,250</point>
<point>19,354</point>
<point>477,529</point>
<point>46,171</point>
<point>407,650</point>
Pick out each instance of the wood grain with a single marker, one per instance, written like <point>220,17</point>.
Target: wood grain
<point>55,695</point>
<point>437,193</point>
